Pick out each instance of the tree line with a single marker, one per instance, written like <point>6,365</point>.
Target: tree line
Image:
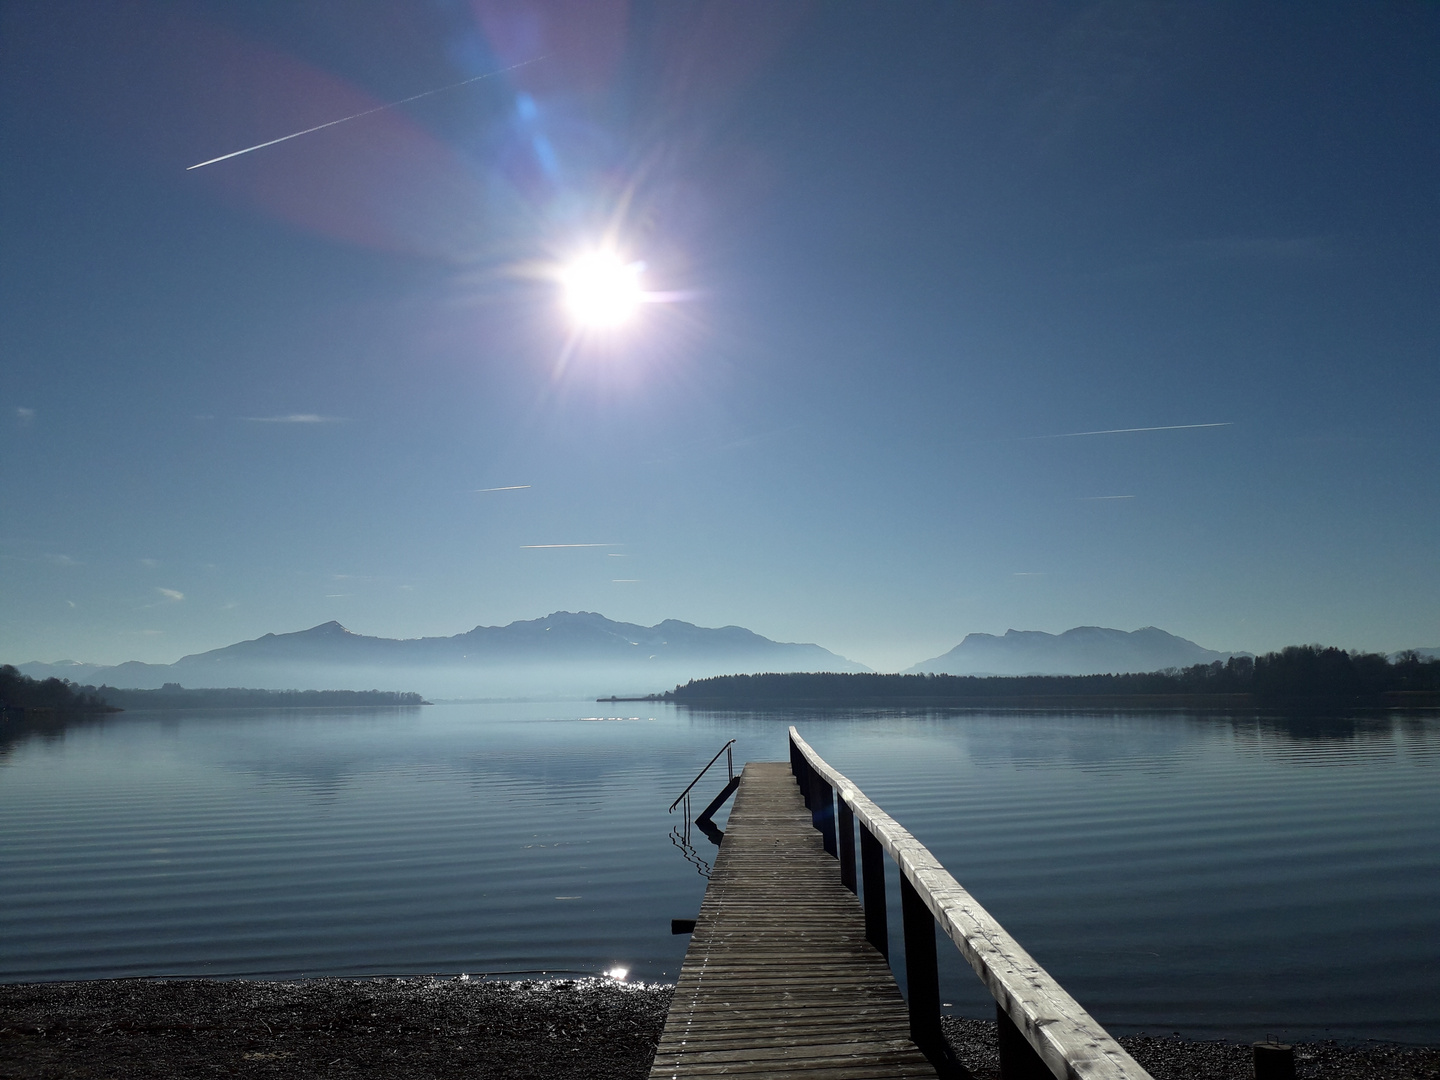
<point>19,691</point>
<point>1295,672</point>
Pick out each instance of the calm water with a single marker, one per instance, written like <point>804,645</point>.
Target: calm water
<point>1204,874</point>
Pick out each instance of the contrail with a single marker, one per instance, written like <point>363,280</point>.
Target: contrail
<point>510,487</point>
<point>367,112</point>
<point>536,547</point>
<point>1127,430</point>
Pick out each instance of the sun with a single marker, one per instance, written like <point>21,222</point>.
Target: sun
<point>602,290</point>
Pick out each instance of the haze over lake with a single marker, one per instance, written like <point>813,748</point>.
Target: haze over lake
<point>1176,872</point>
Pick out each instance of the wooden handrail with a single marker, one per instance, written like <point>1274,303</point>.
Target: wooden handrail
<point>1067,1039</point>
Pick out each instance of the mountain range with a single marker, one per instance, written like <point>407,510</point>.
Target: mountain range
<point>564,654</point>
<point>1085,650</point>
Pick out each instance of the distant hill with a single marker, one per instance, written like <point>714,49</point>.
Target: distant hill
<point>562,654</point>
<point>1085,650</point>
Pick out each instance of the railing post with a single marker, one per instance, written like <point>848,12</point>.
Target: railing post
<point>872,868</point>
<point>846,841</point>
<point>823,813</point>
<point>922,974</point>
<point>1018,1059</point>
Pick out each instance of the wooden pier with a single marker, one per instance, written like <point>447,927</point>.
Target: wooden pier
<point>779,979</point>
<point>787,975</point>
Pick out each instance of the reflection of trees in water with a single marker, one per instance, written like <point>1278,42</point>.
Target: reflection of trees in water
<point>1320,738</point>
<point>43,727</point>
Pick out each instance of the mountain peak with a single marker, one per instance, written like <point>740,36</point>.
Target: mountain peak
<point>331,627</point>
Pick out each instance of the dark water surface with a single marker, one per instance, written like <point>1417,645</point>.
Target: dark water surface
<point>1212,875</point>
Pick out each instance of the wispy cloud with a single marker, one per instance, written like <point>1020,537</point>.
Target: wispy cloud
<point>171,594</point>
<point>624,580</point>
<point>151,563</point>
<point>56,559</point>
<point>23,414</point>
<point>71,603</point>
<point>1028,573</point>
<point>1129,430</point>
<point>511,487</point>
<point>1103,498</point>
<point>537,547</point>
<point>297,418</point>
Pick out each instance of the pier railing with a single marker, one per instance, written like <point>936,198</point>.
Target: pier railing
<point>1043,1031</point>
<point>730,785</point>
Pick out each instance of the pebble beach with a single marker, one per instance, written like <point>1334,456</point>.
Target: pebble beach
<point>412,1028</point>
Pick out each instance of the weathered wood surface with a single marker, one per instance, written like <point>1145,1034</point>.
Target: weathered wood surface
<point>1067,1038</point>
<point>779,980</point>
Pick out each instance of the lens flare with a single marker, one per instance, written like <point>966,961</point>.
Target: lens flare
<point>602,290</point>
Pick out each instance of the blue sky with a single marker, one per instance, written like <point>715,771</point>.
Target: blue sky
<point>900,256</point>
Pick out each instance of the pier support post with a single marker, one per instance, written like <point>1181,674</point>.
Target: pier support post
<point>823,813</point>
<point>922,974</point>
<point>846,839</point>
<point>1018,1059</point>
<point>872,868</point>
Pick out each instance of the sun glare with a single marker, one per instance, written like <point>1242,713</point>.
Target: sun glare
<point>602,290</point>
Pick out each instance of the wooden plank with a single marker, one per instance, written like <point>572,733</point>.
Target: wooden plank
<point>779,980</point>
<point>1069,1041</point>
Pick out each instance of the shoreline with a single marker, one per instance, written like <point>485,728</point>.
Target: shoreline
<point>436,1026</point>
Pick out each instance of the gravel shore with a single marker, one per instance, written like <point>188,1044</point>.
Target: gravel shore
<point>415,1028</point>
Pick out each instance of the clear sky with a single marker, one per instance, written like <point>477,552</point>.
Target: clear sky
<point>896,258</point>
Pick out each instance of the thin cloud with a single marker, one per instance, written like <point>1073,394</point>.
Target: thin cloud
<point>297,418</point>
<point>1129,430</point>
<point>623,580</point>
<point>151,563</point>
<point>171,594</point>
<point>537,547</point>
<point>1028,573</point>
<point>56,559</point>
<point>512,487</point>
<point>23,414</point>
<point>1103,498</point>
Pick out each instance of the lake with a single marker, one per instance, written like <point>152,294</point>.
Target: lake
<point>1215,875</point>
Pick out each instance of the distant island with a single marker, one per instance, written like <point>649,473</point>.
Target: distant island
<point>175,696</point>
<point>22,697</point>
<point>1299,674</point>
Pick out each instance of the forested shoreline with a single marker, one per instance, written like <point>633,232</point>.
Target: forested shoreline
<point>20,694</point>
<point>1299,673</point>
